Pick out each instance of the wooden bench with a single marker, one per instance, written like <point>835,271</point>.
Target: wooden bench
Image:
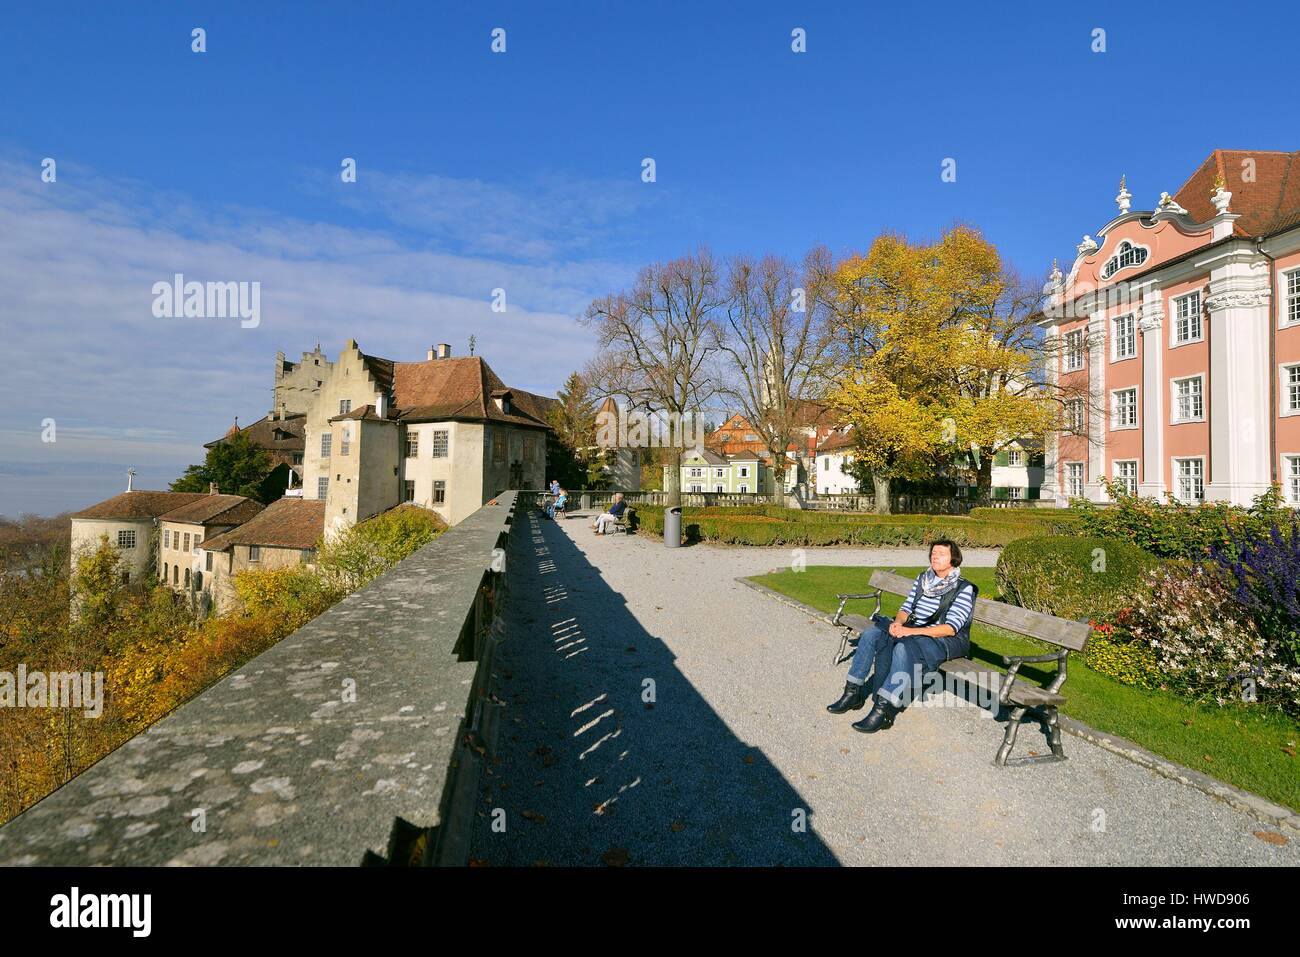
<point>1014,692</point>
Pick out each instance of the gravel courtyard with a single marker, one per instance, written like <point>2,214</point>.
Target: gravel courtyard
<point>660,713</point>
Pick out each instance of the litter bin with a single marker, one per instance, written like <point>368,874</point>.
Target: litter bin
<point>673,526</point>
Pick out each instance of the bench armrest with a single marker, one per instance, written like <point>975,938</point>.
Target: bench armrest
<point>1014,662</point>
<point>847,598</point>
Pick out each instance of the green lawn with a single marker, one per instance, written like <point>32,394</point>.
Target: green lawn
<point>1244,745</point>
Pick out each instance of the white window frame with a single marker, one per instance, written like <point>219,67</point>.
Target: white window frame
<point>322,487</point>
<point>1115,472</point>
<point>1284,387</point>
<point>1290,476</point>
<point>1140,254</point>
<point>1116,339</point>
<point>1198,316</point>
<point>1071,427</point>
<point>345,406</point>
<point>1115,424</point>
<point>1015,492</point>
<point>326,444</point>
<point>743,490</point>
<point>1177,477</point>
<point>412,444</point>
<point>439,499</point>
<point>126,539</point>
<point>719,488</point>
<point>719,473</point>
<point>1082,479</point>
<point>1175,418</point>
<point>696,488</point>
<point>254,553</point>
<point>440,446</point>
<point>1289,315</point>
<point>1014,458</point>
<point>1070,351</point>
<point>744,471</point>
<point>692,472</point>
<point>345,440</point>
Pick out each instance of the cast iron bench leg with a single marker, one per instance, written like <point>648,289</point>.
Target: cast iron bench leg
<point>1009,739</point>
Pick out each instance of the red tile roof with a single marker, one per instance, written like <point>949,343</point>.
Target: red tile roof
<point>288,523</point>
<point>461,389</point>
<point>215,510</point>
<point>139,504</point>
<point>1268,204</point>
<point>275,435</point>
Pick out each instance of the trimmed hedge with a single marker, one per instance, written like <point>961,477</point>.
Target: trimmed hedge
<point>1071,576</point>
<point>774,525</point>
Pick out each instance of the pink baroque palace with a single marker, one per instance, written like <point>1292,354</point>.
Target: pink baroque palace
<point>1177,335</point>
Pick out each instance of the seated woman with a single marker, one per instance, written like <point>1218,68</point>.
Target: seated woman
<point>616,510</point>
<point>932,626</point>
<point>558,505</point>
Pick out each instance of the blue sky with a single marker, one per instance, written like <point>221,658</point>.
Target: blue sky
<point>522,171</point>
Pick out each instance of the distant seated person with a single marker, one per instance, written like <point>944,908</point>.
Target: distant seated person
<point>616,511</point>
<point>554,488</point>
<point>558,505</point>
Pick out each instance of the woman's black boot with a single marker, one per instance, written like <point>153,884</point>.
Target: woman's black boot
<point>880,717</point>
<point>854,697</point>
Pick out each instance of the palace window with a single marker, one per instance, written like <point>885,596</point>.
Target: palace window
<point>1126,254</point>
<point>1292,296</point>
<point>345,406</point>
<point>208,561</point>
<point>694,473</point>
<point>1189,399</point>
<point>719,488</point>
<point>326,442</point>
<point>1125,337</point>
<point>440,444</point>
<point>1074,416</point>
<point>719,473</point>
<point>1016,492</point>
<point>187,578</point>
<point>1291,388</point>
<point>1124,412</point>
<point>345,440</point>
<point>187,541</point>
<point>1292,479</point>
<point>439,492</point>
<point>322,487</point>
<point>126,538</point>
<point>166,538</point>
<point>696,488</point>
<point>744,489</point>
<point>1190,475</point>
<point>744,471</point>
<point>164,574</point>
<point>412,445</point>
<point>1015,457</point>
<point>408,491</point>
<point>1074,350</point>
<point>1074,479</point>
<point>1126,473</point>
<point>1187,318</point>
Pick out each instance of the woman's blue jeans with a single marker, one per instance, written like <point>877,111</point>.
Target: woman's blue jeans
<point>895,665</point>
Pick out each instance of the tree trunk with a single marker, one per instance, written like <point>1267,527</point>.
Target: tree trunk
<point>984,478</point>
<point>882,493</point>
<point>673,481</point>
<point>778,485</point>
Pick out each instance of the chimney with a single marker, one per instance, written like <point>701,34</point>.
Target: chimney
<point>444,351</point>
<point>432,353</point>
<point>130,479</point>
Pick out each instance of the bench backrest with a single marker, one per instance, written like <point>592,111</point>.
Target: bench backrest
<point>1056,631</point>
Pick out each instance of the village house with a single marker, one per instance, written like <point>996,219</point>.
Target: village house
<point>1178,333</point>
<point>183,530</point>
<point>129,521</point>
<point>282,535</point>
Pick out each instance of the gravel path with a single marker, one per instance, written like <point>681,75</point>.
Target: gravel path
<point>736,749</point>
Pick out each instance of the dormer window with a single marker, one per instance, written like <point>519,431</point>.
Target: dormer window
<point>1126,255</point>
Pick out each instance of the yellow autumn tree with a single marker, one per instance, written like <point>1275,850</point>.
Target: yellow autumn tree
<point>937,342</point>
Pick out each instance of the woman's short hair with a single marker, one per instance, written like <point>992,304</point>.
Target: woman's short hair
<point>953,549</point>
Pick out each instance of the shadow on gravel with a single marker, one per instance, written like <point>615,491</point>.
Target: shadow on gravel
<point>586,771</point>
